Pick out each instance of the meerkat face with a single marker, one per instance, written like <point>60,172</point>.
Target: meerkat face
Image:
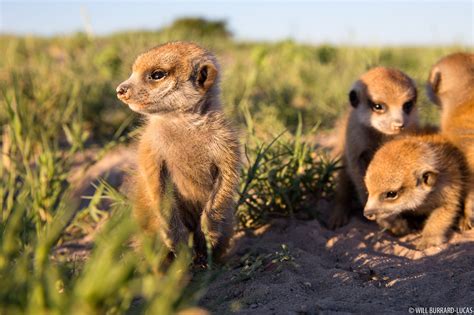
<point>450,77</point>
<point>399,178</point>
<point>385,99</point>
<point>174,77</point>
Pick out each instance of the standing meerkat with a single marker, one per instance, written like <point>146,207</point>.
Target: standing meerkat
<point>451,86</point>
<point>383,105</point>
<point>188,154</point>
<point>417,175</point>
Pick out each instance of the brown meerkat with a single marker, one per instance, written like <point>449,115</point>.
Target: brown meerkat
<point>451,86</point>
<point>188,154</point>
<point>418,175</point>
<point>383,104</point>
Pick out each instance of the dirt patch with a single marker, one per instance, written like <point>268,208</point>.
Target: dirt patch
<point>355,269</point>
<point>112,168</point>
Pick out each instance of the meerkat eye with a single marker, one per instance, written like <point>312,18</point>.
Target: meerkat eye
<point>391,195</point>
<point>377,107</point>
<point>408,106</point>
<point>157,75</point>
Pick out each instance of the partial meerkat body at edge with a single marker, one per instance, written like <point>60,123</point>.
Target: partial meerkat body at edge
<point>451,86</point>
<point>188,154</point>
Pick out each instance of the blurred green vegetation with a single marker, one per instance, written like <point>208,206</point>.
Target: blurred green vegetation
<point>276,80</point>
<point>38,271</point>
<point>57,99</point>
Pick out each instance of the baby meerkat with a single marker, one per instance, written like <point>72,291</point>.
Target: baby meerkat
<point>419,175</point>
<point>383,106</point>
<point>188,154</point>
<point>451,86</point>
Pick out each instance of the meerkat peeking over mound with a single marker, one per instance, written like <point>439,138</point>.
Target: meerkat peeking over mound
<point>418,175</point>
<point>382,107</point>
<point>451,86</point>
<point>188,154</point>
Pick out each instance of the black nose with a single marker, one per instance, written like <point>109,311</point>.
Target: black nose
<point>123,90</point>
<point>398,125</point>
<point>370,214</point>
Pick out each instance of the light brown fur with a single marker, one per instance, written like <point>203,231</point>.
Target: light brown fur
<point>188,154</point>
<point>419,175</point>
<point>451,86</point>
<point>367,129</point>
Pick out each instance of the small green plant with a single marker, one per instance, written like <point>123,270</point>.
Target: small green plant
<point>253,263</point>
<point>283,178</point>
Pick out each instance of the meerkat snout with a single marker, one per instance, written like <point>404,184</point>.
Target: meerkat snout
<point>370,214</point>
<point>398,125</point>
<point>123,91</point>
<point>379,207</point>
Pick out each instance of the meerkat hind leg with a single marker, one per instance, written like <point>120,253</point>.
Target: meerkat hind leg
<point>345,193</point>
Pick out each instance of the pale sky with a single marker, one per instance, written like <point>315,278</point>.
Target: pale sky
<point>336,22</point>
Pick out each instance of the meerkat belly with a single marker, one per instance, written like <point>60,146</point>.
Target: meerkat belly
<point>194,181</point>
<point>193,184</point>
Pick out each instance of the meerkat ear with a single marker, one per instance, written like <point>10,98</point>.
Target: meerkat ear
<point>206,75</point>
<point>428,178</point>
<point>435,80</point>
<point>353,98</point>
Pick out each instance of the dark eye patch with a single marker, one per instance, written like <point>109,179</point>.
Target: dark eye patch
<point>377,106</point>
<point>158,75</point>
<point>391,195</point>
<point>408,106</point>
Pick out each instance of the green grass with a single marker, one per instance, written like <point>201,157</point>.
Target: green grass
<point>57,99</point>
<point>283,178</point>
<point>38,216</point>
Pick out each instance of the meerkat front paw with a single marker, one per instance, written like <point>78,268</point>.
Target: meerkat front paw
<point>399,227</point>
<point>465,224</point>
<point>429,241</point>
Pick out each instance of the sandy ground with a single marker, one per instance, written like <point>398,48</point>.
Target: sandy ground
<point>300,267</point>
<point>355,269</point>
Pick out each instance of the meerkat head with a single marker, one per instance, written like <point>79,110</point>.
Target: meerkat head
<point>451,79</point>
<point>400,177</point>
<point>385,99</point>
<point>174,77</point>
